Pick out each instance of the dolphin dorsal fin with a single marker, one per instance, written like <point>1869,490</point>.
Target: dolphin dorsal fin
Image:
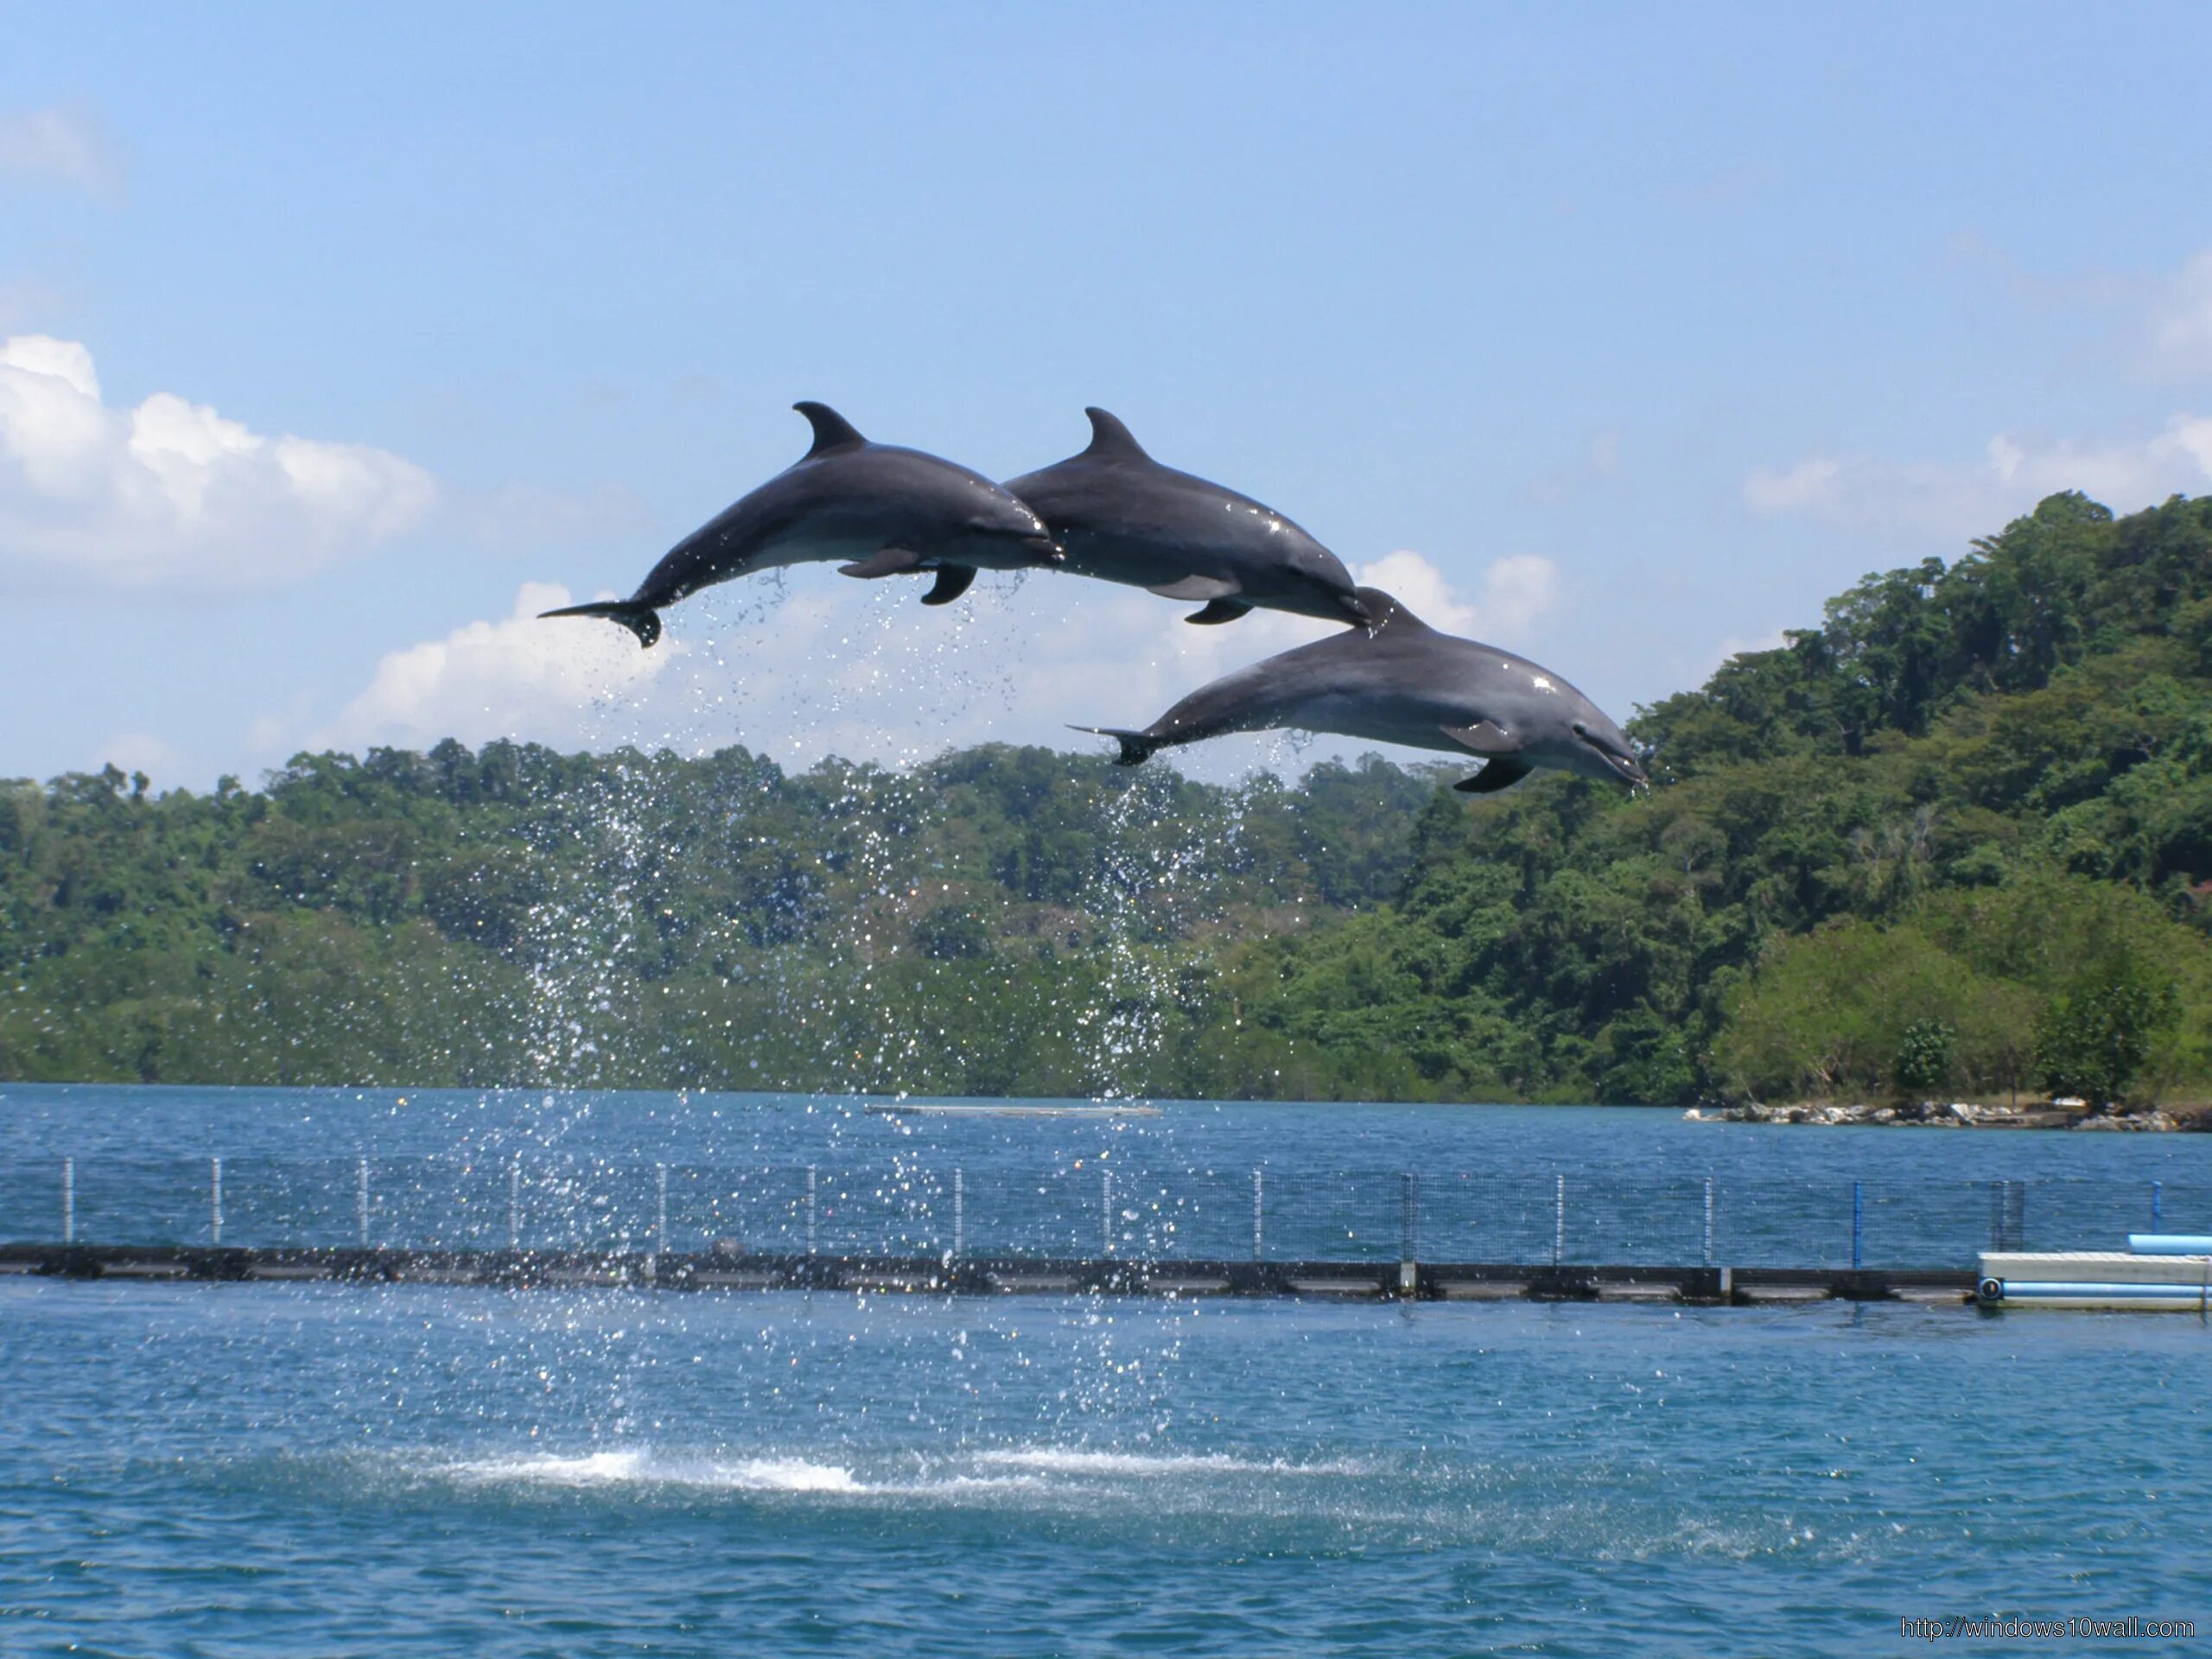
<point>831,430</point>
<point>1383,608</point>
<point>1110,440</point>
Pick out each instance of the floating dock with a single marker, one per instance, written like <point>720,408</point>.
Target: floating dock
<point>2158,1273</point>
<point>984,1276</point>
<point>922,1109</point>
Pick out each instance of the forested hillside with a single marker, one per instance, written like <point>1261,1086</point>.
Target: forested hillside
<point>1958,837</point>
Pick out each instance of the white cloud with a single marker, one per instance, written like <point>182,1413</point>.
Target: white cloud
<point>2180,320</point>
<point>816,665</point>
<point>519,677</point>
<point>171,493</point>
<point>63,146</point>
<point>1515,591</point>
<point>1422,587</point>
<point>1812,485</point>
<point>1961,501</point>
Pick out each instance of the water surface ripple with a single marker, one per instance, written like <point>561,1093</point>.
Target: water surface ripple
<point>281,1469</point>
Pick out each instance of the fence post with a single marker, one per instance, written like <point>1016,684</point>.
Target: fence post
<point>1858,1224</point>
<point>1559,1220</point>
<point>2157,1206</point>
<point>514,1205</point>
<point>1106,1205</point>
<point>812,1210</point>
<point>1408,1233</point>
<point>361,1200</point>
<point>1996,1215</point>
<point>1259,1210</point>
<point>959,1214</point>
<point>1708,1221</point>
<point>68,1200</point>
<point>215,1200</point>
<point>660,1209</point>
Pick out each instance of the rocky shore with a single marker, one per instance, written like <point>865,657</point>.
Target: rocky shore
<point>1954,1115</point>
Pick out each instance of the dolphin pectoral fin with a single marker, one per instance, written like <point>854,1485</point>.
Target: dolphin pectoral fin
<point>1136,747</point>
<point>1494,776</point>
<point>1485,737</point>
<point>951,581</point>
<point>1219,610</point>
<point>883,561</point>
<point>638,618</point>
<point>1196,587</point>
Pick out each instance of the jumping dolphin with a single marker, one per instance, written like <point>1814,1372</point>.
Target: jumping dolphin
<point>1400,681</point>
<point>884,510</point>
<point>1123,516</point>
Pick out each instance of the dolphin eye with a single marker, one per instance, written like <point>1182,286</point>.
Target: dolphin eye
<point>1581,731</point>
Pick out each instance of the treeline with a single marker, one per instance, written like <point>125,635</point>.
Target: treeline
<point>1956,839</point>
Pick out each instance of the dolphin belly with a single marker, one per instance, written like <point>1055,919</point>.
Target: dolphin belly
<point>1133,561</point>
<point>1413,723</point>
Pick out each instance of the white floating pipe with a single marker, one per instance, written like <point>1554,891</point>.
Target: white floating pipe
<point>2030,1291</point>
<point>2170,1243</point>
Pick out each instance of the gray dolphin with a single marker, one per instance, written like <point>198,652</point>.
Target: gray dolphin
<point>1124,517</point>
<point>1400,681</point>
<point>886,509</point>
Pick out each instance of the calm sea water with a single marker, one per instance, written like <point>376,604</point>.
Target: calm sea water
<point>289,1470</point>
<point>1495,1183</point>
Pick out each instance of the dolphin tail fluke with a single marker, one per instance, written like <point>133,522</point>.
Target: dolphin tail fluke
<point>1136,746</point>
<point>640,620</point>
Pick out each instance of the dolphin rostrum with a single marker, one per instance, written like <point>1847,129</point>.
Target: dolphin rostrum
<point>1123,516</point>
<point>1400,681</point>
<point>884,510</point>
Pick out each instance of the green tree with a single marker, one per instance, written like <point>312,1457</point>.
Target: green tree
<point>1927,1053</point>
<point>2093,1039</point>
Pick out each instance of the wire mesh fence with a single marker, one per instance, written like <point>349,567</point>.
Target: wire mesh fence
<point>1084,1210</point>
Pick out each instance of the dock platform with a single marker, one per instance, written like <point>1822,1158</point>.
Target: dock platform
<point>1387,1280</point>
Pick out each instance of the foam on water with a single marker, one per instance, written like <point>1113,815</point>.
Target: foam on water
<point>1071,1460</point>
<point>1003,1468</point>
<point>646,1468</point>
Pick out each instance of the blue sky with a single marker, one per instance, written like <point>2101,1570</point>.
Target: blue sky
<point>1622,336</point>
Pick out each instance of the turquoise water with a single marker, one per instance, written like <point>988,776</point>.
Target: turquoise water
<point>248,1470</point>
<point>287,1470</point>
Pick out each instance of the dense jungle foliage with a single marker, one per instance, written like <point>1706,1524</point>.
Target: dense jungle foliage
<point>1956,838</point>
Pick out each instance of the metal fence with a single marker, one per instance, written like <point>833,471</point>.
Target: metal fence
<point>1094,1211</point>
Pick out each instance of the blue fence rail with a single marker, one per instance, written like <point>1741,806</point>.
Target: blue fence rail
<point>1090,1211</point>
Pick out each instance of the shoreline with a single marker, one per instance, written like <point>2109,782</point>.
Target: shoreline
<point>1956,1115</point>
